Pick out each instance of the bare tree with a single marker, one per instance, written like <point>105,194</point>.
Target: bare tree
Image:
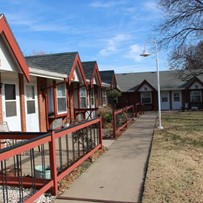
<point>182,22</point>
<point>182,30</point>
<point>188,60</point>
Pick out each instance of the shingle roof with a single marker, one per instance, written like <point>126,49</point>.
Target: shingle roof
<point>60,63</point>
<point>106,76</point>
<point>88,68</point>
<point>168,80</point>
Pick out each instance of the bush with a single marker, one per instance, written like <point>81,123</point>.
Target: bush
<point>107,115</point>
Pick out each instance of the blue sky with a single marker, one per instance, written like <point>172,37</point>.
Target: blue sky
<point>112,32</point>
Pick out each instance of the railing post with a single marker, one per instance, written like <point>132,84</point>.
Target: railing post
<point>74,114</point>
<point>114,124</point>
<point>138,109</point>
<point>133,111</point>
<point>142,108</point>
<point>100,130</point>
<point>53,166</point>
<point>126,111</point>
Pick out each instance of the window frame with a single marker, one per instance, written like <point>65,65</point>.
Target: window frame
<point>92,96</point>
<point>9,101</point>
<point>104,97</point>
<point>83,96</point>
<point>63,96</point>
<point>175,97</point>
<point>150,94</point>
<point>195,91</point>
<point>30,99</point>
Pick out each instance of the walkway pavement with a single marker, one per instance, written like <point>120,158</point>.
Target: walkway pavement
<point>118,175</point>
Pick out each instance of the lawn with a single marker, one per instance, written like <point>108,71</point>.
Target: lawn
<point>175,170</point>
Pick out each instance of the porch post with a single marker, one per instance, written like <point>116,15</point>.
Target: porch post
<point>53,166</point>
<point>22,102</point>
<point>114,124</point>
<point>100,131</point>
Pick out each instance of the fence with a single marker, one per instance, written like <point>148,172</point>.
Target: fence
<point>122,117</point>
<point>85,113</point>
<point>39,161</point>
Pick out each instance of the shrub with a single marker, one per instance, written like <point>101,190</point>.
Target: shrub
<point>106,114</point>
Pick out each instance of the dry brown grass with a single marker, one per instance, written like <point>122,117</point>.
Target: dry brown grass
<point>175,172</point>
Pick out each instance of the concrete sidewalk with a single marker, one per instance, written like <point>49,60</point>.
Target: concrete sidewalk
<point>118,175</point>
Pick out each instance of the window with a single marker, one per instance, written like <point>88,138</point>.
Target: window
<point>99,97</point>
<point>92,97</point>
<point>146,97</point>
<point>195,96</point>
<point>61,98</point>
<point>83,96</point>
<point>50,101</point>
<point>10,100</point>
<point>176,97</point>
<point>104,97</point>
<point>30,96</point>
<point>164,99</point>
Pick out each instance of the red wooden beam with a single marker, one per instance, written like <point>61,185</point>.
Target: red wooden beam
<point>53,165</point>
<point>76,164</point>
<point>8,153</point>
<point>75,128</point>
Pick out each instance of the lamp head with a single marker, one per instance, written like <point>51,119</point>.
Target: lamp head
<point>145,53</point>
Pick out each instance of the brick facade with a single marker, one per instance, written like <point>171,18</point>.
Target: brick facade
<point>1,110</point>
<point>22,102</point>
<point>41,83</point>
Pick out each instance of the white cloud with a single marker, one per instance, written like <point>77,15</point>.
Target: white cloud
<point>20,19</point>
<point>105,4</point>
<point>113,44</point>
<point>124,68</point>
<point>151,6</point>
<point>134,52</point>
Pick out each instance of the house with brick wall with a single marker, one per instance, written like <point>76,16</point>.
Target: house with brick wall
<point>175,93</point>
<point>108,77</point>
<point>41,92</point>
<point>93,93</point>
<point>62,95</point>
<point>14,77</point>
<point>24,90</point>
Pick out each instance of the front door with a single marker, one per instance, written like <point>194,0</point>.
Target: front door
<point>11,105</point>
<point>31,108</point>
<point>176,100</point>
<point>165,102</point>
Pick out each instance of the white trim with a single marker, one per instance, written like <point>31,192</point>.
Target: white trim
<point>172,89</point>
<point>150,96</point>
<point>105,84</point>
<point>200,94</point>
<point>47,74</point>
<point>61,97</point>
<point>32,119</point>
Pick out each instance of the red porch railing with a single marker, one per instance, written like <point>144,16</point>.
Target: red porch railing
<point>139,109</point>
<point>122,117</point>
<point>40,161</point>
<point>85,113</point>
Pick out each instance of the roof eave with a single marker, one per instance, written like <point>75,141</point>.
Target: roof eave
<point>5,29</point>
<point>47,74</point>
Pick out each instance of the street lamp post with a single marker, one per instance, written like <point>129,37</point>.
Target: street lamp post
<point>146,54</point>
